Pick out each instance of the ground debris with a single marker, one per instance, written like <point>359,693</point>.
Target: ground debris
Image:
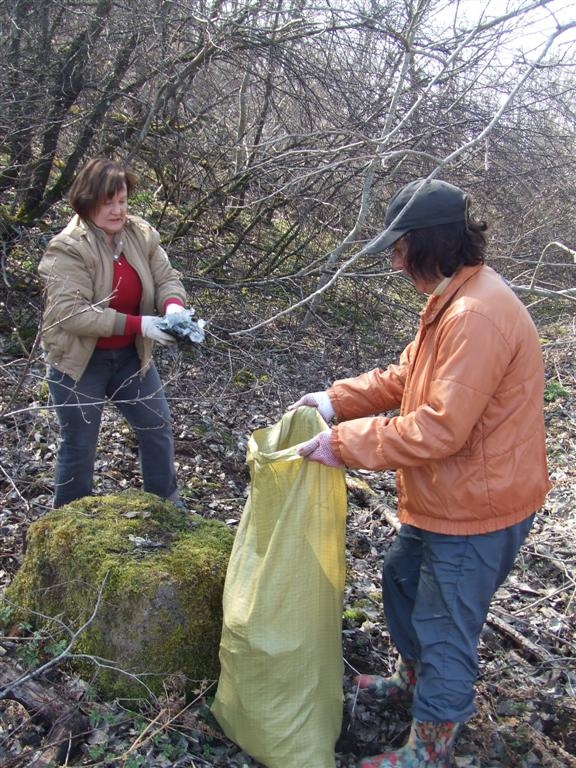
<point>526,714</point>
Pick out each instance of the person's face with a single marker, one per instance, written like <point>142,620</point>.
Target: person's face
<point>111,214</point>
<point>399,255</point>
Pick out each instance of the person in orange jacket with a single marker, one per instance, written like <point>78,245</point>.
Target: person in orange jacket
<point>468,447</point>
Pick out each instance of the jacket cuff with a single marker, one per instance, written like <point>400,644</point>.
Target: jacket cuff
<point>335,444</point>
<point>333,397</point>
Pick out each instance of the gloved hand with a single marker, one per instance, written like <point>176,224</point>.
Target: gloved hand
<point>319,449</point>
<point>171,309</point>
<point>149,328</point>
<point>179,323</point>
<point>318,400</point>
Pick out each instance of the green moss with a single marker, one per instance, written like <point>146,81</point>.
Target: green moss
<point>160,610</point>
<point>354,616</point>
<point>555,390</point>
<point>244,379</point>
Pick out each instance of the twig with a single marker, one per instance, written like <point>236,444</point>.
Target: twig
<point>65,654</point>
<point>530,648</point>
<point>13,484</point>
<point>373,500</point>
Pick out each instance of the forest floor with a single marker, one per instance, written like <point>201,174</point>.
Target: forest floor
<point>526,704</point>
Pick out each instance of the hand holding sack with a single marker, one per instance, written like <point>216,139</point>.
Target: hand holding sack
<point>320,449</point>
<point>318,400</point>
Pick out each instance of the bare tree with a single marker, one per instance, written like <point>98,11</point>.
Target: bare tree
<point>270,135</point>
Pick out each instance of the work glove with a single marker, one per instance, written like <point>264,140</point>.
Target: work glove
<point>319,400</point>
<point>173,308</point>
<point>149,327</point>
<point>179,323</point>
<point>319,449</point>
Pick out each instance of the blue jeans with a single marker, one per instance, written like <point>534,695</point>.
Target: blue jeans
<point>437,591</point>
<point>112,375</point>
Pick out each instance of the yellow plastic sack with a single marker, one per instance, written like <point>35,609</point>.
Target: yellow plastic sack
<point>279,695</point>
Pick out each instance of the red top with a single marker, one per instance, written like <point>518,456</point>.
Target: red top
<point>126,296</point>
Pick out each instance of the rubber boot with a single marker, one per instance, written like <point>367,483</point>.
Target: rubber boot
<point>396,689</point>
<point>429,745</point>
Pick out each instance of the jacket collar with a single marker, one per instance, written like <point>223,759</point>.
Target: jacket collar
<point>436,304</point>
<point>86,229</point>
<point>80,227</point>
<point>93,232</point>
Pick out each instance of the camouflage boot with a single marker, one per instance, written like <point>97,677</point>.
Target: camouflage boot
<point>396,689</point>
<point>430,745</point>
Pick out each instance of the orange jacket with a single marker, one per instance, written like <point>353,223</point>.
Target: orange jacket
<point>469,440</point>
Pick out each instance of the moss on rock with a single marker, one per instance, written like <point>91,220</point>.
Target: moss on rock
<point>161,572</point>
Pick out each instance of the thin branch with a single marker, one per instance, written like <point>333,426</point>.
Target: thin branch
<point>450,158</point>
<point>65,654</point>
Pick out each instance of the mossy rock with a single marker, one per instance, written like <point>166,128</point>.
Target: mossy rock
<point>161,574</point>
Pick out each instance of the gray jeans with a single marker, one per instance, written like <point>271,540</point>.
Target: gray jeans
<point>112,375</point>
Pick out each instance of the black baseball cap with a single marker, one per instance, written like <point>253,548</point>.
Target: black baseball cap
<point>421,203</point>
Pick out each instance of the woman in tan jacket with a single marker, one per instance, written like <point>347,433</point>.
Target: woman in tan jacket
<point>468,447</point>
<point>108,282</point>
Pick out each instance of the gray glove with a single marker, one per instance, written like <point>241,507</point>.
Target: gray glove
<point>149,326</point>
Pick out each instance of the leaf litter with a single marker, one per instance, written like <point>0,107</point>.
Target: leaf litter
<point>526,703</point>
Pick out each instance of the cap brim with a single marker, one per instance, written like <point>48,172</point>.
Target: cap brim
<point>384,240</point>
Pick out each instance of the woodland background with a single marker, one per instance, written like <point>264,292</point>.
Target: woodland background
<point>269,137</point>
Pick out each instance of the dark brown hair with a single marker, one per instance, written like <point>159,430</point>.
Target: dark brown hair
<point>443,249</point>
<point>98,181</point>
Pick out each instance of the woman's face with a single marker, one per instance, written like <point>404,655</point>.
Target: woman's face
<point>399,254</point>
<point>111,214</point>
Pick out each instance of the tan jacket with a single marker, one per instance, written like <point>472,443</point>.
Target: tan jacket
<point>77,270</point>
<point>469,441</point>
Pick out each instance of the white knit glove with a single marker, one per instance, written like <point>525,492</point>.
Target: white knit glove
<point>171,309</point>
<point>149,329</point>
<point>319,400</point>
<point>319,449</point>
